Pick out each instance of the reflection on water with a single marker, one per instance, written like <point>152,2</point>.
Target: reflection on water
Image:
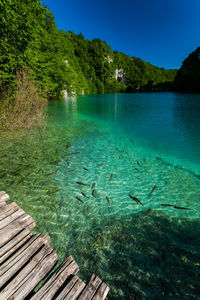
<point>142,145</point>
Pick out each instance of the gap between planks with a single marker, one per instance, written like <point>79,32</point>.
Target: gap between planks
<point>26,259</point>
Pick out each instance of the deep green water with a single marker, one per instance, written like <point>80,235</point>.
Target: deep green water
<point>126,145</point>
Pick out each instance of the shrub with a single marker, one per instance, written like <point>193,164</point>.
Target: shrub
<point>24,106</point>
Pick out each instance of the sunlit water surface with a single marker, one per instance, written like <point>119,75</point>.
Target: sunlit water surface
<point>141,145</point>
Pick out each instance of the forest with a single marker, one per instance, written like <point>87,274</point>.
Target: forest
<point>188,76</point>
<point>58,60</point>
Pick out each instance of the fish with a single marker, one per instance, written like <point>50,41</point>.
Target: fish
<point>111,175</point>
<point>55,162</point>
<point>178,207</point>
<point>99,165</point>
<point>159,158</point>
<point>93,193</point>
<point>53,192</point>
<point>17,169</point>
<point>108,199</point>
<point>74,153</point>
<point>81,183</point>
<point>136,200</point>
<point>85,169</point>
<point>84,195</point>
<point>48,174</point>
<point>137,169</point>
<point>93,186</point>
<point>147,212</point>
<point>166,205</point>
<point>71,170</point>
<point>79,199</point>
<point>153,189</point>
<point>138,163</point>
<point>132,198</point>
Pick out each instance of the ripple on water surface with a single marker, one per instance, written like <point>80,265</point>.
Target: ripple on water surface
<point>148,250</point>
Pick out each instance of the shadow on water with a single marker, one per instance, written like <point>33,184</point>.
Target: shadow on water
<point>143,257</point>
<point>187,110</point>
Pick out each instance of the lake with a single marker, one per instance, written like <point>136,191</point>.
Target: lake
<point>115,181</point>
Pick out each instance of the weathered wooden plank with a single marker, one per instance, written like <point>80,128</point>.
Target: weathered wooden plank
<point>31,274</point>
<point>8,232</point>
<point>75,291</point>
<point>102,292</point>
<point>11,218</point>
<point>67,288</point>
<point>14,263</point>
<point>7,207</point>
<point>26,260</point>
<point>7,210</point>
<point>91,288</point>
<point>49,289</point>
<point>2,204</point>
<point>35,239</point>
<point>14,244</point>
<point>4,197</point>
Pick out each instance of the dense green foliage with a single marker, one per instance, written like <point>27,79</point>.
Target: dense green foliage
<point>58,60</point>
<point>30,39</point>
<point>188,77</point>
<point>99,65</point>
<point>140,75</point>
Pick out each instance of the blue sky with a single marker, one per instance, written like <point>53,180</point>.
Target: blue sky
<point>162,32</point>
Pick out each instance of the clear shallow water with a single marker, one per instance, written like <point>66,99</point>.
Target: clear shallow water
<point>126,145</point>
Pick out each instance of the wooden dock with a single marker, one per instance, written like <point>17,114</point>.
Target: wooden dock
<point>26,259</point>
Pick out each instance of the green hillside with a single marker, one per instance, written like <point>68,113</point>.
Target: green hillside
<point>58,60</point>
<point>188,77</point>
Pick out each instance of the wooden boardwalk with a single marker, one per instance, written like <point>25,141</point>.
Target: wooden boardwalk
<point>26,259</point>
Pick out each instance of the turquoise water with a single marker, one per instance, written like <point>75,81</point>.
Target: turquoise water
<point>143,145</point>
